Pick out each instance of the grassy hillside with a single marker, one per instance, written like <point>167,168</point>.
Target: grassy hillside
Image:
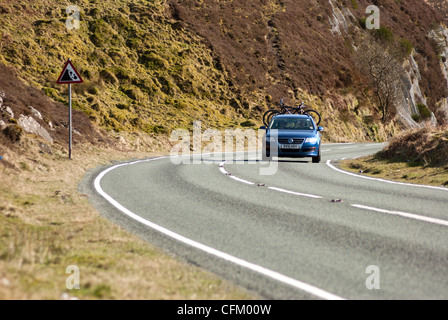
<point>440,6</point>
<point>142,71</point>
<point>152,66</point>
<point>281,47</point>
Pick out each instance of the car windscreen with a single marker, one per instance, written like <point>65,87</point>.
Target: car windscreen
<point>292,123</point>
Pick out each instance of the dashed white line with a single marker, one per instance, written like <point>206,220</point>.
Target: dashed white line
<point>224,171</point>
<point>241,180</point>
<point>221,168</point>
<point>296,193</point>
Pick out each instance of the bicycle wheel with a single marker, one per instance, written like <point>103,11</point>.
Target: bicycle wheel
<point>267,117</point>
<point>314,114</point>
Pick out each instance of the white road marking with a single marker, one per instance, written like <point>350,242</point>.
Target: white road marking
<point>373,145</point>
<point>221,168</point>
<point>224,171</point>
<point>245,264</point>
<point>404,214</point>
<point>385,181</point>
<point>295,193</point>
<point>347,147</point>
<point>337,143</point>
<point>241,180</point>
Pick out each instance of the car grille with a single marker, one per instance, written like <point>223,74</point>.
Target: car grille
<point>285,140</point>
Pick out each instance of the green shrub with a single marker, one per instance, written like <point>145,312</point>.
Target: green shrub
<point>121,24</point>
<point>425,113</point>
<point>122,106</point>
<point>362,23</point>
<point>384,34</point>
<point>134,43</point>
<point>180,104</point>
<point>108,76</point>
<point>102,291</point>
<point>121,73</point>
<point>416,117</point>
<point>160,129</point>
<point>166,86</point>
<point>132,92</point>
<point>248,123</point>
<point>101,33</point>
<point>51,92</point>
<point>93,90</point>
<point>119,115</point>
<point>153,61</point>
<point>406,46</point>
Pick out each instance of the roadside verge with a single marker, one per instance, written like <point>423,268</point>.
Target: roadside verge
<point>48,225</point>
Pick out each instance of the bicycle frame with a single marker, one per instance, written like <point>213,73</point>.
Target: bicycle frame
<point>286,109</point>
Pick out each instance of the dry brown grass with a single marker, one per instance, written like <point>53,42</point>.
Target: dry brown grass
<point>398,171</point>
<point>283,46</point>
<point>417,156</point>
<point>425,146</point>
<point>47,225</point>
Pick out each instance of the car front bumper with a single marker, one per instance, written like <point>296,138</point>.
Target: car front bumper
<point>306,150</point>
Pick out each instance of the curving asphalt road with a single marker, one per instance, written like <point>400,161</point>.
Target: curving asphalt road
<point>309,231</point>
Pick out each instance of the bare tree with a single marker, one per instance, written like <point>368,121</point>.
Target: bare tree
<point>382,67</point>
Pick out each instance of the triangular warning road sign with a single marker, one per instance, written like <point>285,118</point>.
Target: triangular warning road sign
<point>69,74</point>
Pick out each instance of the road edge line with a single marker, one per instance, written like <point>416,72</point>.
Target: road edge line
<point>383,180</point>
<point>413,216</point>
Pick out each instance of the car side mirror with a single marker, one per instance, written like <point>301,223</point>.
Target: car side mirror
<point>320,128</point>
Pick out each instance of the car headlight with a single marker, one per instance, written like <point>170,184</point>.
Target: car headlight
<point>311,140</point>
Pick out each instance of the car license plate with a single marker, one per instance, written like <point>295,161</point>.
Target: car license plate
<point>290,146</point>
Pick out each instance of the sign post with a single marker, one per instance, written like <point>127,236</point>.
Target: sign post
<point>70,123</point>
<point>68,76</point>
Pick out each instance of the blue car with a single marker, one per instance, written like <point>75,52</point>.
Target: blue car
<point>294,136</point>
